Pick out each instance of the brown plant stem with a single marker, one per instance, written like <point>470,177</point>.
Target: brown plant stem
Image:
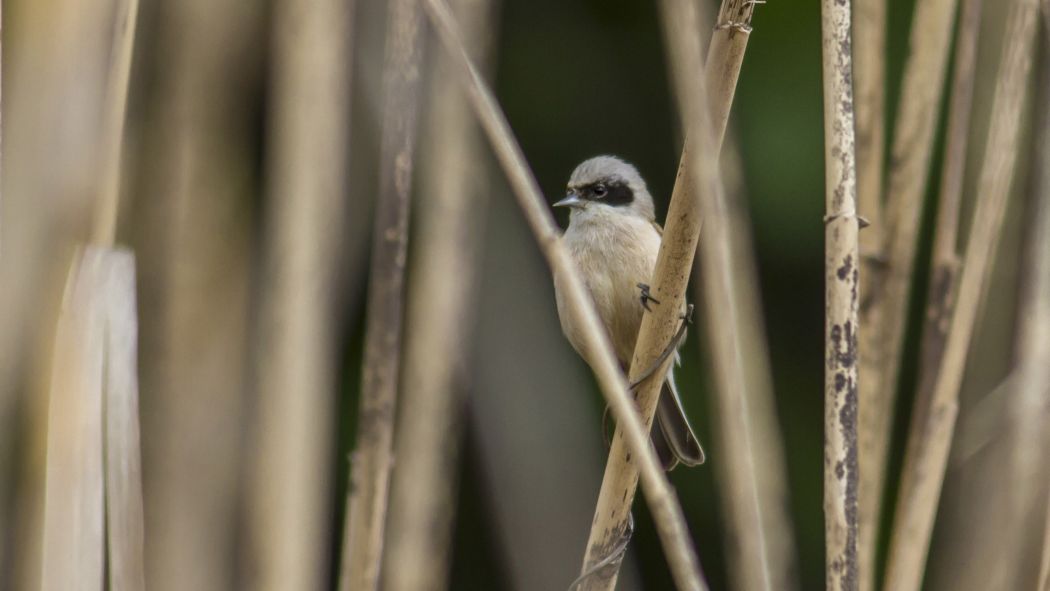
<point>295,365</point>
<point>667,513</point>
<point>372,458</point>
<point>840,278</point>
<point>931,434</point>
<point>441,302</point>
<point>884,310</point>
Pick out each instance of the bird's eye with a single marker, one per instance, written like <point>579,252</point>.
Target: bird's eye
<point>600,191</point>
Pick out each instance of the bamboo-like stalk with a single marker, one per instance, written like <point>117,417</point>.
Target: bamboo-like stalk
<point>441,300</point>
<point>931,436</point>
<point>1044,197</point>
<point>883,316</point>
<point>372,459</point>
<point>752,480</point>
<point>841,270</point>
<point>295,365</point>
<point>666,511</point>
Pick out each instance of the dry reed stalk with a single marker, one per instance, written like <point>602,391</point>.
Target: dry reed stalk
<point>194,241</point>
<point>441,301</point>
<point>667,513</point>
<point>73,532</point>
<point>105,225</point>
<point>1028,436</point>
<point>945,266</point>
<point>869,76</point>
<point>885,313</point>
<point>931,433</point>
<point>752,474</point>
<point>841,270</point>
<point>295,364</point>
<point>1044,197</point>
<point>372,458</point>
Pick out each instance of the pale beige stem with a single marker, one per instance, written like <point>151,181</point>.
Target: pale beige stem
<point>105,225</point>
<point>869,77</point>
<point>751,476</point>
<point>884,310</point>
<point>632,432</point>
<point>927,454</point>
<point>295,363</point>
<point>372,458</point>
<point>841,270</point>
<point>441,301</point>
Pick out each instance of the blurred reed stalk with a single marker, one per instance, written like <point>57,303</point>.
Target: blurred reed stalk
<point>869,77</point>
<point>295,362</point>
<point>1037,322</point>
<point>945,265</point>
<point>94,476</point>
<point>442,299</point>
<point>884,311</point>
<point>932,430</point>
<point>667,513</point>
<point>372,458</point>
<point>841,283</point>
<point>752,480</point>
<point>194,236</point>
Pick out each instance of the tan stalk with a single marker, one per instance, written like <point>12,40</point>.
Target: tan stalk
<point>883,316</point>
<point>840,326</point>
<point>930,439</point>
<point>752,480</point>
<point>869,76</point>
<point>1044,196</point>
<point>441,301</point>
<point>372,458</point>
<point>295,361</point>
<point>667,513</point>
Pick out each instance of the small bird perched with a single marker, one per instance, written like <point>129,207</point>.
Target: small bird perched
<point>614,239</point>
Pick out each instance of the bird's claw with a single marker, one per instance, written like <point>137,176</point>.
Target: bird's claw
<point>646,297</point>
<point>688,316</point>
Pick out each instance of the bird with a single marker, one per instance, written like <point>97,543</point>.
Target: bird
<point>613,238</point>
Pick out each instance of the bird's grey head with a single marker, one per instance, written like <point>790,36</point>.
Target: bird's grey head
<point>608,183</point>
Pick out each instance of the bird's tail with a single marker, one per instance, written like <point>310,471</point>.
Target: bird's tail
<point>676,441</point>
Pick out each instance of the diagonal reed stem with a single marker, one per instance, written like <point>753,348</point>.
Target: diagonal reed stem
<point>664,505</point>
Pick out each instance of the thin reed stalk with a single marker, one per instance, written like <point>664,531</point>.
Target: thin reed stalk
<point>372,458</point>
<point>663,503</point>
<point>946,261</point>
<point>884,315</point>
<point>932,430</point>
<point>752,480</point>
<point>841,270</point>
<point>869,77</point>
<point>295,360</point>
<point>441,301</point>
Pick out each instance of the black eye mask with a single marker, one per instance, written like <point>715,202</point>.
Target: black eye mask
<point>614,193</point>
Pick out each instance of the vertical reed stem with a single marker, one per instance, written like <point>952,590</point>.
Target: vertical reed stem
<point>840,278</point>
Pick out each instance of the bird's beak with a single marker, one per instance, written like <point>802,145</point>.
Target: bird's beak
<point>572,199</point>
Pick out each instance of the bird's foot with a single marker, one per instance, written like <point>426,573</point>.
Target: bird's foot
<point>688,316</point>
<point>647,297</point>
